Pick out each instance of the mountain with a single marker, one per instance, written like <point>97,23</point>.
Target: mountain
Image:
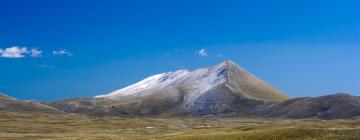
<point>224,88</point>
<point>8,103</point>
<point>199,82</point>
<point>336,106</point>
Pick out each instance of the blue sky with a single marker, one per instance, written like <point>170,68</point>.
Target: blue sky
<point>62,49</point>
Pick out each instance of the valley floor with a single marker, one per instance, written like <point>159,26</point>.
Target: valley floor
<point>48,126</point>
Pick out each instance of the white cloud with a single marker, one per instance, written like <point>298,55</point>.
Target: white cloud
<point>202,52</point>
<point>62,52</point>
<point>14,52</point>
<point>35,52</point>
<point>19,52</point>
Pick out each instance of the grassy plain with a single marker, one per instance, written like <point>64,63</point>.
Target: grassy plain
<point>49,126</point>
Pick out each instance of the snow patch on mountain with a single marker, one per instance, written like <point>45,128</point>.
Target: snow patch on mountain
<point>197,83</point>
<point>150,83</point>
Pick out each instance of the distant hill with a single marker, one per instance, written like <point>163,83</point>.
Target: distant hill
<point>336,106</point>
<point>8,103</point>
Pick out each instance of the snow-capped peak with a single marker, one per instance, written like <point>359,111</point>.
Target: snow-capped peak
<point>198,81</point>
<point>152,82</point>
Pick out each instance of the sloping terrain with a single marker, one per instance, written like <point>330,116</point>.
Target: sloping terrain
<point>90,106</point>
<point>11,104</point>
<point>336,106</point>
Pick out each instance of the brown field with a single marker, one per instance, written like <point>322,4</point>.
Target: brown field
<point>48,126</point>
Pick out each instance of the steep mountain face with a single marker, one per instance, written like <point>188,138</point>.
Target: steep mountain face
<point>224,88</point>
<point>336,106</point>
<point>11,104</point>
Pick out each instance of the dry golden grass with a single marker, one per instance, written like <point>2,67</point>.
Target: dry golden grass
<point>46,126</point>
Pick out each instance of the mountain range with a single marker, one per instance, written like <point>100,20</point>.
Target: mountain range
<point>225,89</point>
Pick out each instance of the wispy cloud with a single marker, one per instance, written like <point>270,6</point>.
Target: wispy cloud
<point>62,52</point>
<point>14,52</point>
<point>203,52</point>
<point>19,52</point>
<point>35,52</point>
